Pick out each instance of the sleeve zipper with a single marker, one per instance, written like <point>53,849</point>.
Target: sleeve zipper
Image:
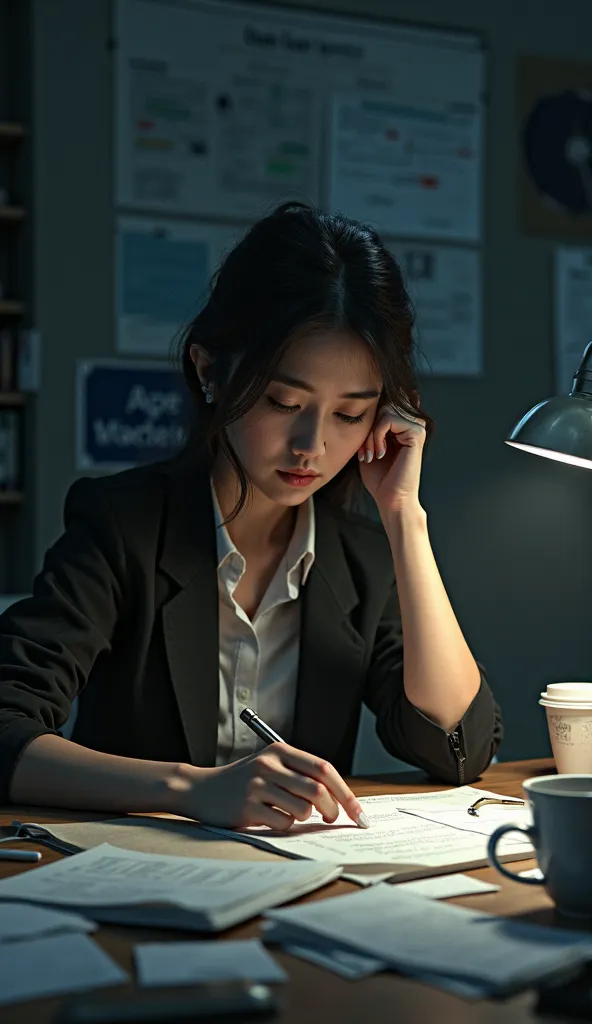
<point>455,743</point>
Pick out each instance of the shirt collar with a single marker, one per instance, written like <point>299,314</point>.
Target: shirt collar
<point>300,552</point>
<point>224,545</point>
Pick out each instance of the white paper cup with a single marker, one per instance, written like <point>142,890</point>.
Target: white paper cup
<point>569,717</point>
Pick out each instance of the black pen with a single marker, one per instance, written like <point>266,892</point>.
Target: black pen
<point>259,727</point>
<point>266,733</point>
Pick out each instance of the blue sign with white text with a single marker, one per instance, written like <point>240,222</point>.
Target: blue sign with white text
<point>129,412</point>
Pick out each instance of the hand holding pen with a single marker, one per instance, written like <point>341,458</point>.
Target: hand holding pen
<point>275,787</point>
<point>321,770</point>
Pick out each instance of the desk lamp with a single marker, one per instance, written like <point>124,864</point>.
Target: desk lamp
<point>561,428</point>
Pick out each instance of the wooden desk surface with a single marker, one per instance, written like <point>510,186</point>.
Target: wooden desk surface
<point>313,994</point>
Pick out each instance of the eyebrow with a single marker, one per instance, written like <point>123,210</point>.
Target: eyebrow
<point>293,382</point>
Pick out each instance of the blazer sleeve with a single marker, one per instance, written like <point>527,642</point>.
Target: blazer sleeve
<point>407,733</point>
<point>49,642</point>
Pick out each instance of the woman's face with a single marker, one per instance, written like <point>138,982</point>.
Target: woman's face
<point>313,417</point>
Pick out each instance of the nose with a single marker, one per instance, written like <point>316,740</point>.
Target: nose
<point>307,439</point>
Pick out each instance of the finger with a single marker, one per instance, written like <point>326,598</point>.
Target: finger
<point>281,798</point>
<point>309,791</point>
<point>366,452</point>
<point>380,439</point>
<point>324,772</point>
<point>263,814</point>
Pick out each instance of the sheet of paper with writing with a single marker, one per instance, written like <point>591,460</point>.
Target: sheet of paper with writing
<point>397,844</point>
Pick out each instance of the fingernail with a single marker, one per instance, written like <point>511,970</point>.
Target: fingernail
<point>368,455</point>
<point>361,456</point>
<point>363,820</point>
<point>381,452</point>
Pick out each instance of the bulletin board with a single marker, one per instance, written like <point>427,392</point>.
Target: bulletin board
<point>222,110</point>
<point>163,271</point>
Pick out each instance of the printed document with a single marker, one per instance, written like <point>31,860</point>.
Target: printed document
<point>472,952</point>
<point>109,884</point>
<point>397,844</point>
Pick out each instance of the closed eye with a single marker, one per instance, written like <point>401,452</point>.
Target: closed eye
<point>280,407</point>
<point>351,419</point>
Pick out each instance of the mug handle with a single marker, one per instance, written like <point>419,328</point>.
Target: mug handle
<point>526,830</point>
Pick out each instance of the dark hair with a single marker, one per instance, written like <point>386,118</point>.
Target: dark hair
<point>297,269</point>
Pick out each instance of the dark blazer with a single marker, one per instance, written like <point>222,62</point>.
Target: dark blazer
<point>124,614</point>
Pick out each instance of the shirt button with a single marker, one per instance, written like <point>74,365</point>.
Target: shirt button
<point>243,693</point>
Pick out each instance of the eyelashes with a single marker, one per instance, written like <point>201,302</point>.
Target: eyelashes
<point>280,407</point>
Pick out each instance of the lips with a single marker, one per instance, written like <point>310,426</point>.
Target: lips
<point>295,479</point>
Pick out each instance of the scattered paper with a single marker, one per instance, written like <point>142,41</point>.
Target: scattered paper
<point>483,823</point>
<point>465,950</point>
<point>54,966</point>
<point>108,876</point>
<point>352,964</point>
<point>369,878</point>
<point>409,844</point>
<point>188,963</point>
<point>442,887</point>
<point>109,884</point>
<point>26,921</point>
<point>532,873</point>
<point>347,963</point>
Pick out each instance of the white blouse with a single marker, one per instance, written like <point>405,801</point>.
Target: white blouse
<point>259,658</point>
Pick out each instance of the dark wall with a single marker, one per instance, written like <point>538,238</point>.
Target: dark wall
<point>510,531</point>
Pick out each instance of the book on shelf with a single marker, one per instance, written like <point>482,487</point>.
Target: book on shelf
<point>8,348</point>
<point>10,476</point>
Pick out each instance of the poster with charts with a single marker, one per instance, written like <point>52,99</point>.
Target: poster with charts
<point>410,169</point>
<point>444,283</point>
<point>223,110</point>
<point>163,270</point>
<point>573,312</point>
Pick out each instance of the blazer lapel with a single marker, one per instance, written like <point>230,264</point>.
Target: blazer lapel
<point>332,653</point>
<point>190,617</point>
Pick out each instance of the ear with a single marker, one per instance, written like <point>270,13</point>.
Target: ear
<point>201,361</point>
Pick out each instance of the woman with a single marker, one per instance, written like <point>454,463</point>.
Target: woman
<point>236,574</point>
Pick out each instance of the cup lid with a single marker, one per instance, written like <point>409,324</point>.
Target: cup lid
<point>568,693</point>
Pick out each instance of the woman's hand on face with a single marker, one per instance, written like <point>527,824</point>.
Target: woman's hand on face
<point>390,460</point>
<point>275,787</point>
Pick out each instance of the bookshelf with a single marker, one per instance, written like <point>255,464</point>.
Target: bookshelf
<point>11,399</point>
<point>11,214</point>
<point>18,505</point>
<point>14,286</point>
<point>11,131</point>
<point>11,307</point>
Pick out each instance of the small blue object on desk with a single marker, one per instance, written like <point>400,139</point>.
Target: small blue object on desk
<point>30,856</point>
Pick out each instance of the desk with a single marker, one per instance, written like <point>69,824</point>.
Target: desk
<point>315,995</point>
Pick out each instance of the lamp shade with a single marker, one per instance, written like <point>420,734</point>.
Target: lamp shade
<point>561,428</point>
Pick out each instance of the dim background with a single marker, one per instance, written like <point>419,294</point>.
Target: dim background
<point>511,533</point>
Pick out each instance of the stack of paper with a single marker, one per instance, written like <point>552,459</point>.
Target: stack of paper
<point>188,963</point>
<point>54,965</point>
<point>411,836</point>
<point>467,952</point>
<point>121,886</point>
<point>353,965</point>
<point>20,921</point>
